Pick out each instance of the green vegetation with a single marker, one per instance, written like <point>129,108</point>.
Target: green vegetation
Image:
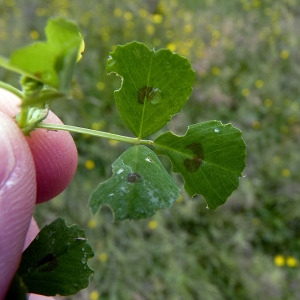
<point>244,54</point>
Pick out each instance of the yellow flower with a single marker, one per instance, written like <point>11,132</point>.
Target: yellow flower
<point>284,129</point>
<point>92,223</point>
<point>286,173</point>
<point>150,29</point>
<point>292,262</point>
<point>34,34</point>
<point>215,71</point>
<point>256,125</point>
<point>118,12</point>
<point>180,199</point>
<point>98,125</point>
<point>245,92</point>
<point>128,16</point>
<point>216,34</point>
<point>40,12</point>
<point>113,142</point>
<point>188,28</point>
<point>103,257</point>
<point>100,86</point>
<point>143,13</point>
<point>236,81</point>
<point>152,224</point>
<point>172,47</point>
<point>279,260</point>
<point>259,83</point>
<point>94,295</point>
<point>285,54</point>
<point>268,102</point>
<point>157,18</point>
<point>256,3</point>
<point>292,120</point>
<point>90,164</point>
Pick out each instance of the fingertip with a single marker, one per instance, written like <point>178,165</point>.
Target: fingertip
<point>55,156</point>
<point>17,197</point>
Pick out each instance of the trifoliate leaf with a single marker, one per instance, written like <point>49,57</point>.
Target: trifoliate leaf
<point>139,186</point>
<point>56,261</point>
<point>51,62</point>
<point>210,157</point>
<point>155,86</point>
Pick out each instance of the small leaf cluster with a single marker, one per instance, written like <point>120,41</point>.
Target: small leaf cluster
<point>210,156</point>
<point>155,85</point>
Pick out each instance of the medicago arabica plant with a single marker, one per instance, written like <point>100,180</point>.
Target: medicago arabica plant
<point>155,85</point>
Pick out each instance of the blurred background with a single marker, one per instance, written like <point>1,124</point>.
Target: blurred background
<point>247,62</point>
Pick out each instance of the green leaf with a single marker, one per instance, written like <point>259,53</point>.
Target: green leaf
<point>51,62</point>
<point>210,157</point>
<point>17,289</point>
<point>56,261</point>
<point>139,186</point>
<point>155,86</point>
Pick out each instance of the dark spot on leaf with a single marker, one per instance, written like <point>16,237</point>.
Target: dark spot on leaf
<point>197,149</point>
<point>48,263</point>
<point>134,177</point>
<point>146,93</point>
<point>192,165</point>
<point>38,75</point>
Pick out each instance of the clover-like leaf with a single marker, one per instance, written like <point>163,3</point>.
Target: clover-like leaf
<point>56,261</point>
<point>210,157</point>
<point>155,86</point>
<point>139,186</point>
<point>51,62</point>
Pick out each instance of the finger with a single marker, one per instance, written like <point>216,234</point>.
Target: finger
<point>32,232</point>
<point>55,157</point>
<point>54,152</point>
<point>17,197</point>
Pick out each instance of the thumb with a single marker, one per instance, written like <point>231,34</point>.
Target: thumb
<point>17,197</point>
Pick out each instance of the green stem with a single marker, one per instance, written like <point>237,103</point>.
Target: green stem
<point>97,133</point>
<point>11,89</point>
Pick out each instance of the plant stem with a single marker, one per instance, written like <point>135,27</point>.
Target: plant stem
<point>12,89</point>
<point>97,133</point>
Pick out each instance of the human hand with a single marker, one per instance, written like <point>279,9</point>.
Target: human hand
<point>32,170</point>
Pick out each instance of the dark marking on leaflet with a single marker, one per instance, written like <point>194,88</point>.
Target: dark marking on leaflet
<point>192,165</point>
<point>146,93</point>
<point>134,177</point>
<point>48,263</point>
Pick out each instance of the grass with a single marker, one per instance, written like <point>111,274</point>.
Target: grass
<point>245,54</point>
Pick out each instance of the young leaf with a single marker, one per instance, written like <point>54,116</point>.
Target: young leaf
<point>56,261</point>
<point>51,62</point>
<point>155,86</point>
<point>139,186</point>
<point>210,157</point>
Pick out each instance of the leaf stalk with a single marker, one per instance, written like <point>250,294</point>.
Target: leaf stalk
<point>97,133</point>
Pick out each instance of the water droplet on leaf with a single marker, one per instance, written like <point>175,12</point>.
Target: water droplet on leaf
<point>216,130</point>
<point>120,171</point>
